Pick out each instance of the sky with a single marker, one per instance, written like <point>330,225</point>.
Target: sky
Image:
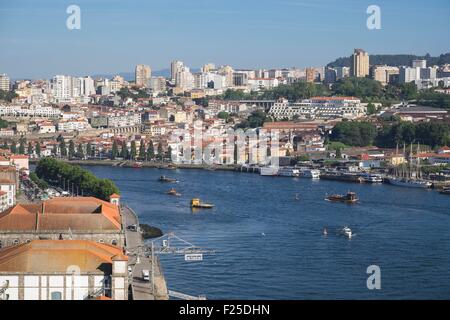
<point>116,35</point>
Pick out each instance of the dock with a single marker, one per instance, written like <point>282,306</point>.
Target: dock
<point>138,260</point>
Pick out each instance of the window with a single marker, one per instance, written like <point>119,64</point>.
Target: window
<point>114,243</point>
<point>1,244</point>
<point>16,242</point>
<point>101,241</point>
<point>28,241</point>
<point>56,295</point>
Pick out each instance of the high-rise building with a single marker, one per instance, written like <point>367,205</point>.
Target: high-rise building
<point>175,66</point>
<point>383,73</point>
<point>143,74</point>
<point>184,78</point>
<point>342,72</point>
<point>330,75</point>
<point>419,63</point>
<point>408,74</point>
<point>359,66</point>
<point>208,67</point>
<point>158,84</point>
<point>4,82</point>
<point>310,74</point>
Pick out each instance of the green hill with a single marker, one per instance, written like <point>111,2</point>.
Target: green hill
<point>394,60</point>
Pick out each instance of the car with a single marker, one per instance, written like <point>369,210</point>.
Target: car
<point>132,227</point>
<point>146,275</point>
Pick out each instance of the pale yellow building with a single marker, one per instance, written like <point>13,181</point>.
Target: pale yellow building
<point>359,66</point>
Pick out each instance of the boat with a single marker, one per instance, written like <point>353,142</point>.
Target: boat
<point>269,171</point>
<point>346,231</point>
<point>309,173</point>
<point>288,172</point>
<point>350,197</point>
<point>446,190</point>
<point>171,167</point>
<point>137,165</point>
<point>167,179</point>
<point>371,178</point>
<point>410,183</point>
<point>173,192</point>
<point>195,203</point>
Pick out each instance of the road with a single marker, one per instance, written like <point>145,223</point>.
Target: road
<point>142,290</point>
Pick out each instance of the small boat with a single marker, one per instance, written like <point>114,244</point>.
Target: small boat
<point>195,203</point>
<point>325,231</point>
<point>309,173</point>
<point>269,171</point>
<point>346,231</point>
<point>171,167</point>
<point>167,179</point>
<point>288,172</point>
<point>446,190</point>
<point>137,165</point>
<point>371,178</point>
<point>173,192</point>
<point>350,197</point>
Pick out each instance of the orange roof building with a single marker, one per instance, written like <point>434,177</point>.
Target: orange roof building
<point>64,270</point>
<point>85,218</point>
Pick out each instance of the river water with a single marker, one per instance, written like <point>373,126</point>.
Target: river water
<point>270,245</point>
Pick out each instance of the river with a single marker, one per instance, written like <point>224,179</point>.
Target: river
<point>270,245</point>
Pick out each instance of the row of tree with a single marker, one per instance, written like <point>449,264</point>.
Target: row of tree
<point>22,148</point>
<point>59,173</point>
<point>359,133</point>
<point>145,153</point>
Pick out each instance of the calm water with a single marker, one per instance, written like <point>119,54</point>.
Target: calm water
<point>270,246</point>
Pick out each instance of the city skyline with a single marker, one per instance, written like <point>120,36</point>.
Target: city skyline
<point>116,37</point>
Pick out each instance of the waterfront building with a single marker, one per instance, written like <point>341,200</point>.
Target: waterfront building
<point>359,66</point>
<point>143,73</point>
<point>83,218</point>
<point>63,270</point>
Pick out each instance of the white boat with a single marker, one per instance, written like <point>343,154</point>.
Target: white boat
<point>309,173</point>
<point>371,178</point>
<point>269,171</point>
<point>346,231</point>
<point>288,172</point>
<point>410,183</point>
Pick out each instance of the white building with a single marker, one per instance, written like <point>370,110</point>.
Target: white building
<point>4,82</point>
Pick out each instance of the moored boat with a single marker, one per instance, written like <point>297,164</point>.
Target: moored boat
<point>269,171</point>
<point>288,172</point>
<point>173,192</point>
<point>371,178</point>
<point>309,173</point>
<point>410,183</point>
<point>446,190</point>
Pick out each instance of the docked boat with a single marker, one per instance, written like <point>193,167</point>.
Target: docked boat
<point>173,192</point>
<point>346,231</point>
<point>309,173</point>
<point>410,183</point>
<point>167,179</point>
<point>195,203</point>
<point>446,190</point>
<point>350,198</point>
<point>269,171</point>
<point>288,172</point>
<point>137,165</point>
<point>371,178</point>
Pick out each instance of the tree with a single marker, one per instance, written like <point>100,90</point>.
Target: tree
<point>160,151</point>
<point>71,149</point>
<point>62,148</point>
<point>223,115</point>
<point>22,146</point>
<point>133,151</point>
<point>89,150</point>
<point>30,149</point>
<point>371,109</point>
<point>142,150</point>
<point>5,145</point>
<point>150,151</point>
<point>124,153</point>
<point>13,147</point>
<point>80,153</point>
<point>354,133</point>
<point>114,150</point>
<point>38,149</point>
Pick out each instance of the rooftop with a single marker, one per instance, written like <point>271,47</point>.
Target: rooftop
<point>58,256</point>
<point>76,213</point>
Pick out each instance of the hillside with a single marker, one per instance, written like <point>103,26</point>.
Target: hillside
<point>394,60</point>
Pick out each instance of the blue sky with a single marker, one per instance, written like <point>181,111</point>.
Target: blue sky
<point>116,35</point>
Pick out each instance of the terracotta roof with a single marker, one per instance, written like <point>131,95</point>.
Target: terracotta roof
<point>57,256</point>
<point>114,196</point>
<point>76,213</point>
